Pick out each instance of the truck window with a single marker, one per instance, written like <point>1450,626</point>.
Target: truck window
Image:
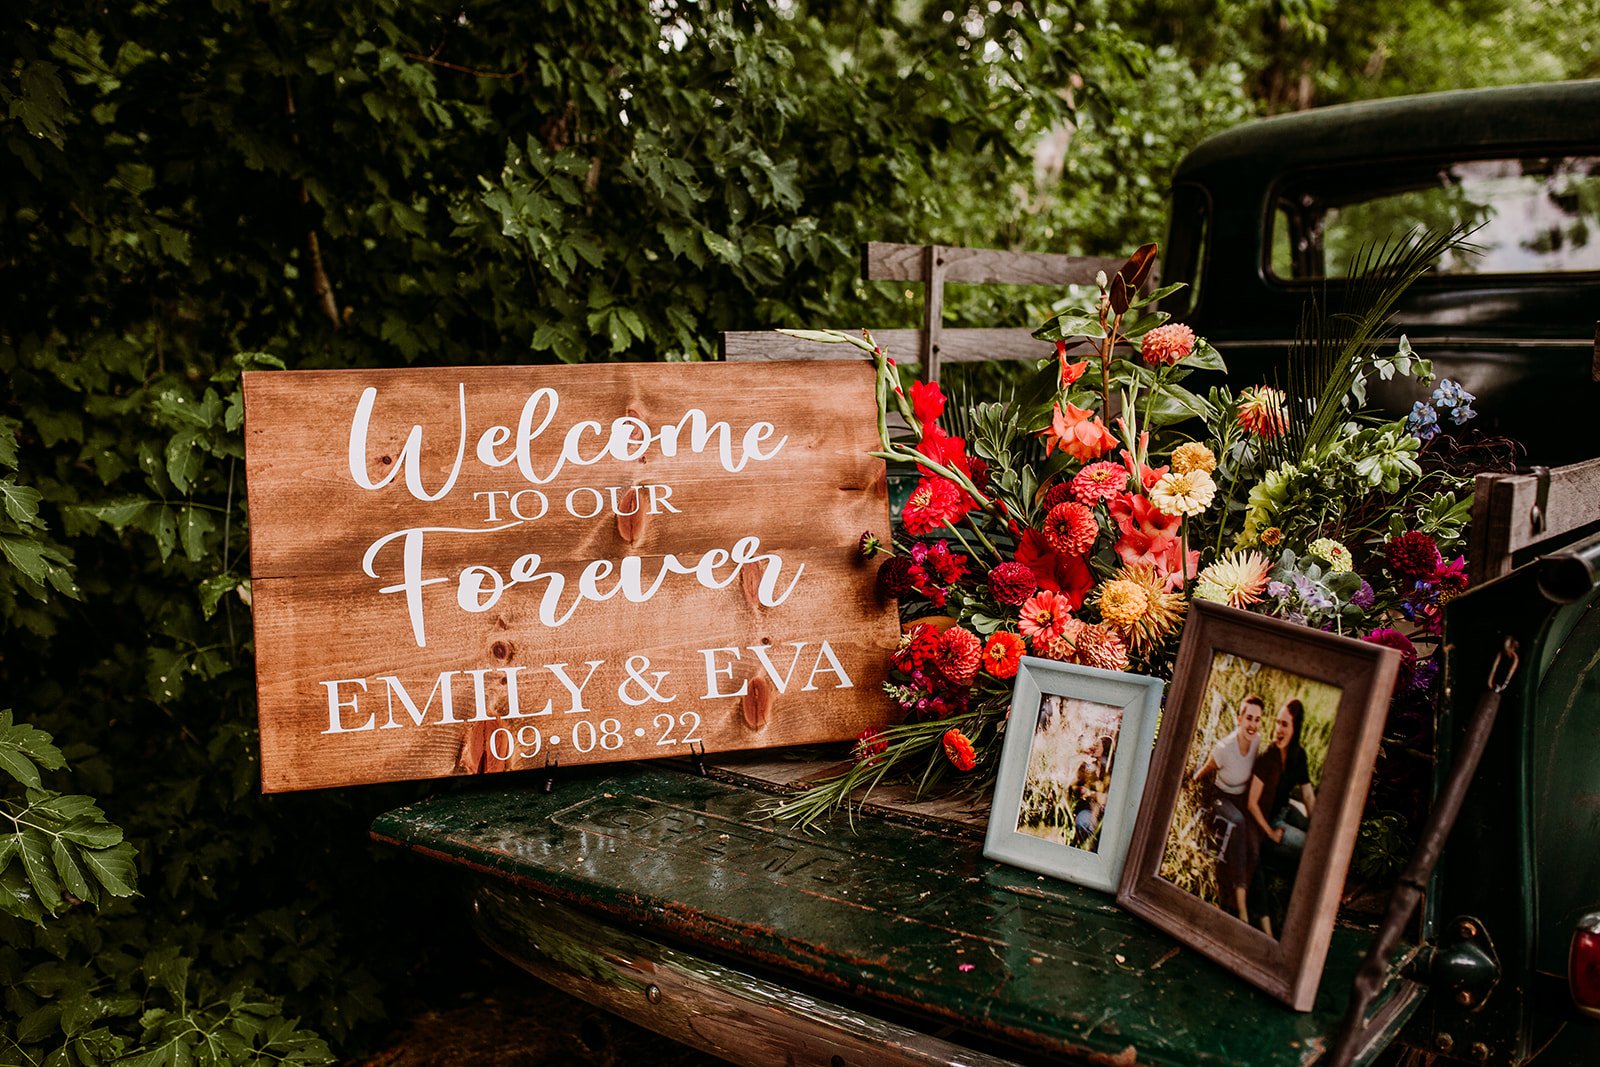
<point>1188,241</point>
<point>1533,216</point>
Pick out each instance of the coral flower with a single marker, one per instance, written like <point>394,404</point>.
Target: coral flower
<point>1183,494</point>
<point>959,656</point>
<point>1071,528</point>
<point>1263,411</point>
<point>1099,646</point>
<point>934,502</point>
<point>1165,345</point>
<point>1237,580</point>
<point>1098,482</point>
<point>1070,372</point>
<point>1043,616</point>
<point>1079,433</point>
<point>1003,654</point>
<point>1144,622</point>
<point>1193,456</point>
<point>958,750</point>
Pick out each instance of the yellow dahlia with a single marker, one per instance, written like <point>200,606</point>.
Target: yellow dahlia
<point>1122,603</point>
<point>1183,494</point>
<point>1237,579</point>
<point>1154,621</point>
<point>1193,456</point>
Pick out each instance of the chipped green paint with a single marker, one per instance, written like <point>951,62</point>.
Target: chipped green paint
<point>908,919</point>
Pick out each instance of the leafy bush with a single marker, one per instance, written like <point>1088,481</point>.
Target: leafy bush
<point>360,184</point>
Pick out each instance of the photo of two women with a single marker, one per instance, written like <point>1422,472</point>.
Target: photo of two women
<point>1250,788</point>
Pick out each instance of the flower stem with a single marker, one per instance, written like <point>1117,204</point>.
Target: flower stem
<point>978,530</point>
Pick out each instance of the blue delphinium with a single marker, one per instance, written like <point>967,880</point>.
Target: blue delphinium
<point>1423,422</point>
<point>1450,397</point>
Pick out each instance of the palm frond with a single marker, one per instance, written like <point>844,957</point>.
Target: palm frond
<point>1333,346</point>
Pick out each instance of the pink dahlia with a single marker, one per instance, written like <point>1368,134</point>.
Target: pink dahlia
<point>1043,616</point>
<point>1098,482</point>
<point>1165,345</point>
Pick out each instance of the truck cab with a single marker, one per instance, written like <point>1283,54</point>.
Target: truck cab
<point>1273,212</point>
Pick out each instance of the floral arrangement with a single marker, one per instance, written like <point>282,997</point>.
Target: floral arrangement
<point>1077,520</point>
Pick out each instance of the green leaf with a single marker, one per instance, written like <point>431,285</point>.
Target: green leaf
<point>213,589</point>
<point>113,868</point>
<point>17,897</point>
<point>25,749</point>
<point>72,876</point>
<point>721,247</point>
<point>183,462</point>
<point>34,848</point>
<point>1157,294</point>
<point>21,502</point>
<point>1204,357</point>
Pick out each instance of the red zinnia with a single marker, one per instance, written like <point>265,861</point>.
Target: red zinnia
<point>1003,654</point>
<point>870,745</point>
<point>960,653</point>
<point>958,750</point>
<point>1012,583</point>
<point>1059,493</point>
<point>918,646</point>
<point>1413,555</point>
<point>1098,482</point>
<point>934,502</point>
<point>1071,528</point>
<point>1043,616</point>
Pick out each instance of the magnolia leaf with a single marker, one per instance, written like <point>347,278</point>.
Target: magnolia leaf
<point>1156,294</point>
<point>1204,357</point>
<point>1137,269</point>
<point>1072,323</point>
<point>1119,294</point>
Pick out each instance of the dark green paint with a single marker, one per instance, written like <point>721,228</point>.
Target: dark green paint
<point>1524,859</point>
<point>887,914</point>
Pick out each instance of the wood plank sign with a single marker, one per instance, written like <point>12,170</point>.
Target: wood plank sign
<point>466,570</point>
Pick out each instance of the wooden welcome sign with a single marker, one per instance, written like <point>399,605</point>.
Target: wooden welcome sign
<point>466,570</point>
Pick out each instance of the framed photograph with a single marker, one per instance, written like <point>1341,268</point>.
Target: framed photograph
<point>1255,793</point>
<point>1077,748</point>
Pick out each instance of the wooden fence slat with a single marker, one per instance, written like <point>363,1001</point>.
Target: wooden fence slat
<point>955,346</point>
<point>884,261</point>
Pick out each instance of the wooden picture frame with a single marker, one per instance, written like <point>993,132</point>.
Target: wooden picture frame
<point>1077,749</point>
<point>1189,870</point>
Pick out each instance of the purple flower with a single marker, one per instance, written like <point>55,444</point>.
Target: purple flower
<point>1363,598</point>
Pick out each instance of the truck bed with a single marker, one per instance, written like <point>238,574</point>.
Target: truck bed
<point>672,899</point>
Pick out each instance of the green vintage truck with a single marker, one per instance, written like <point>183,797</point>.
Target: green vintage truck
<point>665,893</point>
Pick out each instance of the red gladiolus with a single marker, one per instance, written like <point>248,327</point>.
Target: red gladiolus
<point>927,402</point>
<point>1068,575</point>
